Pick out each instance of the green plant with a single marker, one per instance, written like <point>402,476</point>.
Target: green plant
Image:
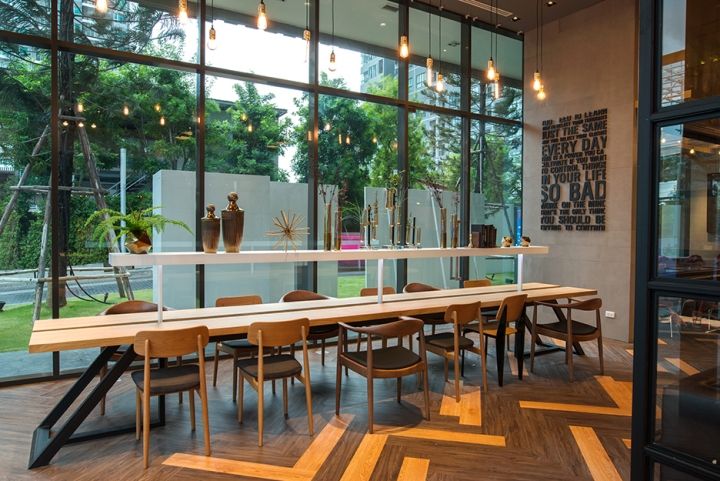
<point>139,223</point>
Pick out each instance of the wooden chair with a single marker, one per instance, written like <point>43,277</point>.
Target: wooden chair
<point>569,330</point>
<point>372,292</point>
<point>429,319</point>
<point>386,362</point>
<point>237,348</point>
<point>278,366</point>
<point>318,333</point>
<point>161,343</point>
<point>126,307</point>
<point>511,310</point>
<point>450,345</point>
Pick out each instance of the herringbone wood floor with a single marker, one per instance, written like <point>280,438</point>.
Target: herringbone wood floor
<point>540,428</point>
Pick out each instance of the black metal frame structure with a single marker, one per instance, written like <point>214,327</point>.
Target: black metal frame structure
<point>649,287</point>
<point>55,45</point>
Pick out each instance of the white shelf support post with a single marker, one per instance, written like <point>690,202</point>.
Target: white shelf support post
<point>380,274</point>
<point>520,259</point>
<point>160,302</point>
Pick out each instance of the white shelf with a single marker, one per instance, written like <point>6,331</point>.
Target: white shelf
<point>265,257</point>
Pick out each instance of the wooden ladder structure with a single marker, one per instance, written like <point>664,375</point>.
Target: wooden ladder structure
<point>120,274</point>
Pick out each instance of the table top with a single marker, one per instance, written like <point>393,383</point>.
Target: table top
<point>98,331</point>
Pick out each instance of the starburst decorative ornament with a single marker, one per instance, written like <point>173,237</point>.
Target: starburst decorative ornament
<point>289,231</point>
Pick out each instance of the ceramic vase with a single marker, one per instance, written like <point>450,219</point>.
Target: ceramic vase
<point>233,224</point>
<point>210,229</point>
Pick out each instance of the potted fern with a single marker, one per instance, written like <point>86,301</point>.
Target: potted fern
<point>136,225</point>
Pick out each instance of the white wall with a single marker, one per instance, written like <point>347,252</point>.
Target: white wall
<point>589,63</point>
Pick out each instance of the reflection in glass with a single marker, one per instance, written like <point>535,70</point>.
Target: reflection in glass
<point>690,50</point>
<point>689,201</point>
<point>688,379</point>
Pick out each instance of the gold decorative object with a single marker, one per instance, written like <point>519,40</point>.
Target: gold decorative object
<point>327,227</point>
<point>507,241</point>
<point>525,241</point>
<point>443,227</point>
<point>233,224</point>
<point>338,229</point>
<point>210,229</point>
<point>288,232</point>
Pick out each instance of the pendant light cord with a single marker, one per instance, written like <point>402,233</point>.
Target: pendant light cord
<point>542,27</point>
<point>333,23</point>
<point>429,32</point>
<point>307,15</point>
<point>212,13</point>
<point>440,35</point>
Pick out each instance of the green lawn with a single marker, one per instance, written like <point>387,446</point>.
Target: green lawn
<point>350,285</point>
<point>16,322</point>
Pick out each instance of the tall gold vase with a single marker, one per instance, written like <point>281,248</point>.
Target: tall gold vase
<point>443,227</point>
<point>327,228</point>
<point>338,229</point>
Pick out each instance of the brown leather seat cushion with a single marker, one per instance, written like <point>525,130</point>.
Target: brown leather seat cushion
<point>446,340</point>
<point>274,367</point>
<point>436,318</point>
<point>324,330</point>
<point>170,379</point>
<point>394,357</point>
<point>561,326</point>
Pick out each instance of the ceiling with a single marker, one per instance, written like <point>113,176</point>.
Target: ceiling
<point>524,9</point>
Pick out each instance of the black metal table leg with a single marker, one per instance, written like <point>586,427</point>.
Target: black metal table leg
<point>500,347</point>
<point>547,350</point>
<point>520,343</point>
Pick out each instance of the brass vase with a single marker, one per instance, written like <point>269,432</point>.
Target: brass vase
<point>139,243</point>
<point>210,228</point>
<point>233,224</point>
<point>454,228</point>
<point>338,229</point>
<point>327,228</point>
<point>443,227</point>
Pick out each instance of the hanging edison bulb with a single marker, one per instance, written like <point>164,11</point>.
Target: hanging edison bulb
<point>404,47</point>
<point>541,93</point>
<point>491,69</point>
<point>327,127</point>
<point>496,83</point>
<point>162,120</point>
<point>157,107</point>
<point>182,12</point>
<point>537,81</point>
<point>250,128</point>
<point>101,6</point>
<point>429,74</point>
<point>333,63</point>
<point>347,139</point>
<point>80,107</point>
<point>374,139</point>
<point>126,110</point>
<point>440,84</point>
<point>307,36</point>
<point>243,116</point>
<point>340,139</point>
<point>212,38</point>
<point>262,22</point>
<point>93,125</point>
<point>310,136</point>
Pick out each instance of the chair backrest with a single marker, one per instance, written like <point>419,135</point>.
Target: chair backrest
<point>170,343</point>
<point>129,307</point>
<point>419,287</point>
<point>477,283</point>
<point>464,313</point>
<point>513,307</point>
<point>237,301</point>
<point>593,304</point>
<point>276,334</point>
<point>301,295</point>
<point>372,291</point>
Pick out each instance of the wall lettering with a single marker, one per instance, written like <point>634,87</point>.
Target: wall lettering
<point>573,181</point>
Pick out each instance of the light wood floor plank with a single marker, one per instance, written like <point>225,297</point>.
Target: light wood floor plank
<point>471,408</point>
<point>444,435</point>
<point>596,458</point>
<point>238,468</point>
<point>366,456</point>
<point>621,393</point>
<point>627,443</point>
<point>682,365</point>
<point>414,469</point>
<point>316,455</point>
<point>576,408</point>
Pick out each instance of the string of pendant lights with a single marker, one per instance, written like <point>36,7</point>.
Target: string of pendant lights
<point>537,84</point>
<point>493,73</point>
<point>212,34</point>
<point>429,75</point>
<point>333,60</point>
<point>440,83</point>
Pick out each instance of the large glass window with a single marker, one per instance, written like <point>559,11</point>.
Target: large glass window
<point>690,66</point>
<point>31,17</point>
<point>689,201</point>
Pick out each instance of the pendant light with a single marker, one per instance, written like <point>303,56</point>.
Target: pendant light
<point>162,120</point>
<point>541,95</point>
<point>182,12</point>
<point>212,34</point>
<point>262,22</point>
<point>333,64</point>
<point>307,35</point>
<point>101,6</point>
<point>404,47</point>
<point>537,79</point>
<point>429,74</point>
<point>491,63</point>
<point>497,54</point>
<point>440,84</point>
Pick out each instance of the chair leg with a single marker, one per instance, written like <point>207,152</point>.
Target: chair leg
<point>138,413</point>
<point>285,397</point>
<point>191,395</point>
<point>462,364</point>
<point>146,429</point>
<point>456,367</point>
<point>322,351</point>
<point>206,417</point>
<point>483,356</point>
<point>433,329</point>
<point>600,354</point>
<point>261,412</point>
<point>308,405</point>
<point>180,394</point>
<point>426,392</point>
<point>235,374</point>
<point>241,396</point>
<point>533,339</point>
<point>569,349</point>
<point>399,389</point>
<point>370,403</point>
<point>103,372</point>
<point>338,384</point>
<point>215,364</point>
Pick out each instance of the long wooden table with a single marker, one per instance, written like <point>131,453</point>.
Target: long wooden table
<point>109,332</point>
